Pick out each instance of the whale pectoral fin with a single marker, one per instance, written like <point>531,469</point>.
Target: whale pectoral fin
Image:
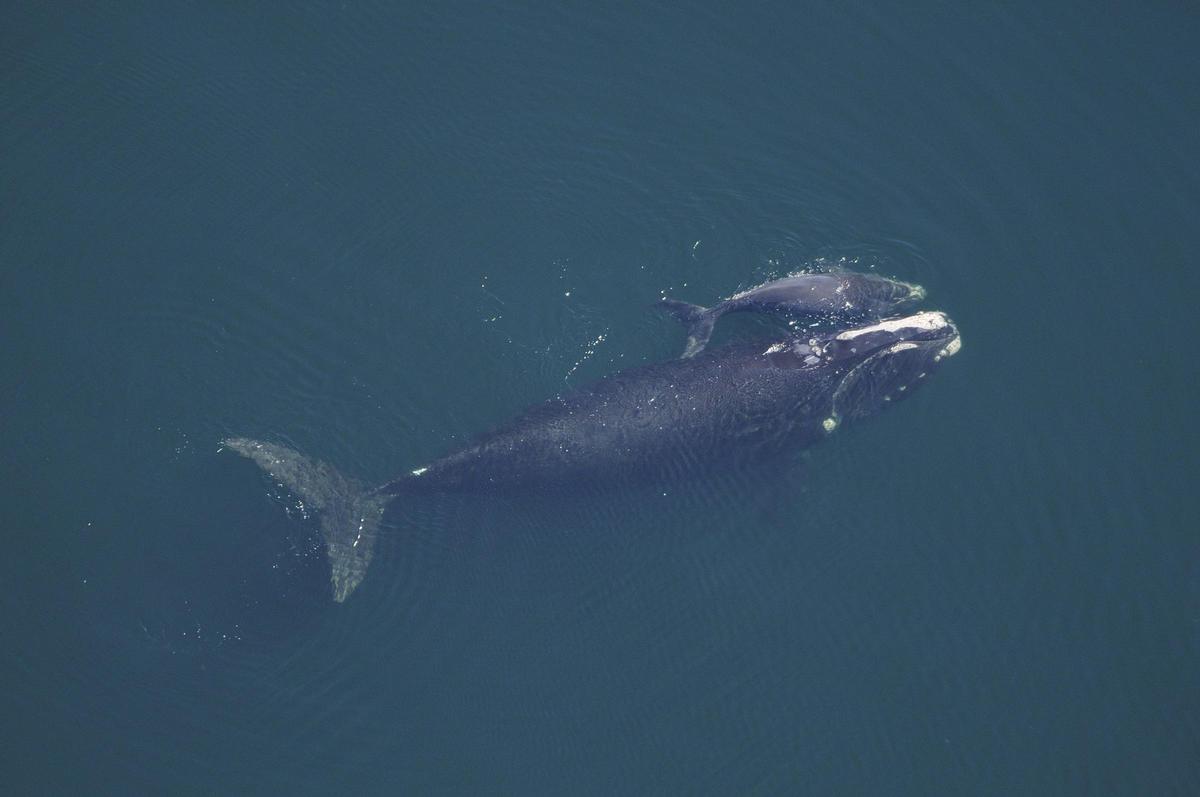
<point>699,321</point>
<point>348,516</point>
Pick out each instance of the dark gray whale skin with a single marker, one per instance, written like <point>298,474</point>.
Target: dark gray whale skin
<point>741,403</point>
<point>845,296</point>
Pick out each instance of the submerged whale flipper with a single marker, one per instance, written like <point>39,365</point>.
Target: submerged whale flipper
<point>699,321</point>
<point>348,514</point>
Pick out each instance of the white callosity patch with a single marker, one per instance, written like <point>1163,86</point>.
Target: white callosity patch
<point>805,350</point>
<point>927,322</point>
<point>951,349</point>
<point>829,424</point>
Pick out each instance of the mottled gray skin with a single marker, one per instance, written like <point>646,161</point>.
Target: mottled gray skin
<point>840,296</point>
<point>736,404</point>
<point>348,516</point>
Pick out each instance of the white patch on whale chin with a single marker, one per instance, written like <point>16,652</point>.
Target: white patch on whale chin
<point>950,349</point>
<point>928,321</point>
<point>775,347</point>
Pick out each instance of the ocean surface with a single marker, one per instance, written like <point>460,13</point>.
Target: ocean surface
<point>371,230</point>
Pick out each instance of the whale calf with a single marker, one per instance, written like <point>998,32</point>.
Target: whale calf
<point>841,296</point>
<point>744,402</point>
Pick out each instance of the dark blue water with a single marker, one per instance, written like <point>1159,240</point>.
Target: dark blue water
<point>371,230</point>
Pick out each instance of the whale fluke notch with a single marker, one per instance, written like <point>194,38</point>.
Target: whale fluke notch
<point>348,516</point>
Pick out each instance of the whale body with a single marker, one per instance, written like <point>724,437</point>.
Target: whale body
<point>741,403</point>
<point>844,296</point>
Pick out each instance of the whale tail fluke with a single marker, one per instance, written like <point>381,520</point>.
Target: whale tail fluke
<point>698,320</point>
<point>347,514</point>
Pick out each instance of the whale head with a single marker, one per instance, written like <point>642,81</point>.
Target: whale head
<point>878,295</point>
<point>881,363</point>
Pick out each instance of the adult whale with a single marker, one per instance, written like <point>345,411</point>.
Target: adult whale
<point>747,401</point>
<point>843,296</point>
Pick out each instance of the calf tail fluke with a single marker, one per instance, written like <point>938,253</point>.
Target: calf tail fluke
<point>347,514</point>
<point>698,320</point>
